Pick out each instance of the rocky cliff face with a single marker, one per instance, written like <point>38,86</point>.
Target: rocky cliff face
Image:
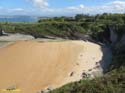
<point>113,35</point>
<point>123,39</point>
<point>115,38</point>
<point>1,32</point>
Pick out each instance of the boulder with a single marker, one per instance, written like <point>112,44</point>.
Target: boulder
<point>2,33</point>
<point>13,87</point>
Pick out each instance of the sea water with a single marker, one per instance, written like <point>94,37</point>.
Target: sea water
<point>18,19</point>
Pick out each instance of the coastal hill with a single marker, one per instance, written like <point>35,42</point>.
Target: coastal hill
<point>71,41</point>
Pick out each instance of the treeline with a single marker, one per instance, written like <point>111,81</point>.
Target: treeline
<point>71,27</point>
<point>91,25</point>
<point>88,18</point>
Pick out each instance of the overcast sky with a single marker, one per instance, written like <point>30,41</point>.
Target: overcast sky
<point>60,7</point>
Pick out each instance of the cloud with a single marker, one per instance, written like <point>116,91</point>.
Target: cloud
<point>40,3</point>
<point>76,8</point>
<point>14,11</point>
<point>112,7</point>
<point>17,10</point>
<point>117,6</point>
<point>44,8</point>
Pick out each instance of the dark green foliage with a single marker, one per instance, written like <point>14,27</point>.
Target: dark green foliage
<point>113,82</point>
<point>64,30</point>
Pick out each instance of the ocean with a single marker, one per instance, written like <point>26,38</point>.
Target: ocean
<point>18,19</point>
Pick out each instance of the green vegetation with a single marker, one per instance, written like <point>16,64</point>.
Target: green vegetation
<point>110,83</point>
<point>69,27</point>
<point>98,27</point>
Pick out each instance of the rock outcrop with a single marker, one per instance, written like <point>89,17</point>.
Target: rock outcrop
<point>1,32</point>
<point>123,39</point>
<point>113,35</point>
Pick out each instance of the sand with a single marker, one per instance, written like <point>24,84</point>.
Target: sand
<point>32,66</point>
<point>16,37</point>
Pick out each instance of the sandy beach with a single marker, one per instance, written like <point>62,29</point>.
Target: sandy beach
<point>32,66</point>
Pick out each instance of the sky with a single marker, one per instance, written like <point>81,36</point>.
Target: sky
<point>60,7</point>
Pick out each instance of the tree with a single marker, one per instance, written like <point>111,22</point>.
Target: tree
<point>79,17</point>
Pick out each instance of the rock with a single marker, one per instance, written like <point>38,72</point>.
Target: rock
<point>123,39</point>
<point>97,73</point>
<point>41,91</point>
<point>13,87</point>
<point>90,70</point>
<point>84,75</point>
<point>97,63</point>
<point>71,74</point>
<point>82,36</point>
<point>1,33</point>
<point>113,36</point>
<point>45,90</point>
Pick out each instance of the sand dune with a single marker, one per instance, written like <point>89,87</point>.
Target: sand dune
<point>32,65</point>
